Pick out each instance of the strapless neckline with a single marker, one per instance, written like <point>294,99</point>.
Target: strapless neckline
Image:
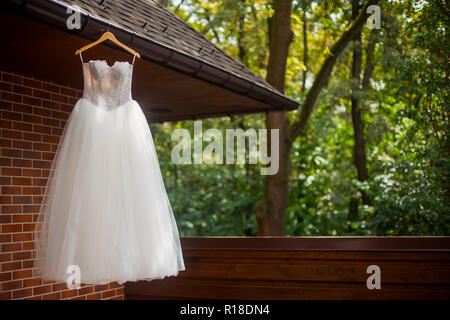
<point>107,86</point>
<point>106,63</point>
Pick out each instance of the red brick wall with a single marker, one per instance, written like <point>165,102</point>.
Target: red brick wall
<point>33,115</point>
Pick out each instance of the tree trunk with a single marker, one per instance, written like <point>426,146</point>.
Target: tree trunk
<point>321,79</point>
<point>242,53</point>
<point>271,214</point>
<point>359,152</point>
<point>305,45</point>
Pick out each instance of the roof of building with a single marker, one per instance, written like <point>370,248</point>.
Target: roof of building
<point>182,74</point>
<point>151,20</point>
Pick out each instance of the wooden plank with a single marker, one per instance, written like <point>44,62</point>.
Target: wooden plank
<point>300,254</point>
<point>201,255</point>
<point>260,271</point>
<point>353,244</point>
<point>219,290</point>
<point>391,273</point>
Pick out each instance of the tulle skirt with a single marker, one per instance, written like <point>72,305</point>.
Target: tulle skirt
<point>105,207</point>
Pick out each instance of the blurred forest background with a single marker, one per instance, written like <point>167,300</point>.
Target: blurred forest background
<point>372,158</point>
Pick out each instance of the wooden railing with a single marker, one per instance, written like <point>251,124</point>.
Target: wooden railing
<point>291,268</point>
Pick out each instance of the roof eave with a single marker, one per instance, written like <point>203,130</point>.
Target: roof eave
<point>55,13</point>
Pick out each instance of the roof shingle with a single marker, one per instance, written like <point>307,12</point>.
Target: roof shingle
<point>152,21</point>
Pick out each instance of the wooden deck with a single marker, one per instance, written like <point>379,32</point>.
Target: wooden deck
<point>298,268</point>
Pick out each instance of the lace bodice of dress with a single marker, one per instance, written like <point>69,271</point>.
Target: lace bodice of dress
<point>107,86</point>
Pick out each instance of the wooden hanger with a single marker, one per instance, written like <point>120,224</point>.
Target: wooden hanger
<point>108,36</point>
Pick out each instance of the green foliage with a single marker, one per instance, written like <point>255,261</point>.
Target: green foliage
<point>405,112</point>
<point>412,191</point>
<point>215,199</point>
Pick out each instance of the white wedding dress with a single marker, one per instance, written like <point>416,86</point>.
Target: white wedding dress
<point>105,207</point>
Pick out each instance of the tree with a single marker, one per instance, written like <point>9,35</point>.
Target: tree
<point>271,212</point>
<point>404,114</point>
<point>359,152</point>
